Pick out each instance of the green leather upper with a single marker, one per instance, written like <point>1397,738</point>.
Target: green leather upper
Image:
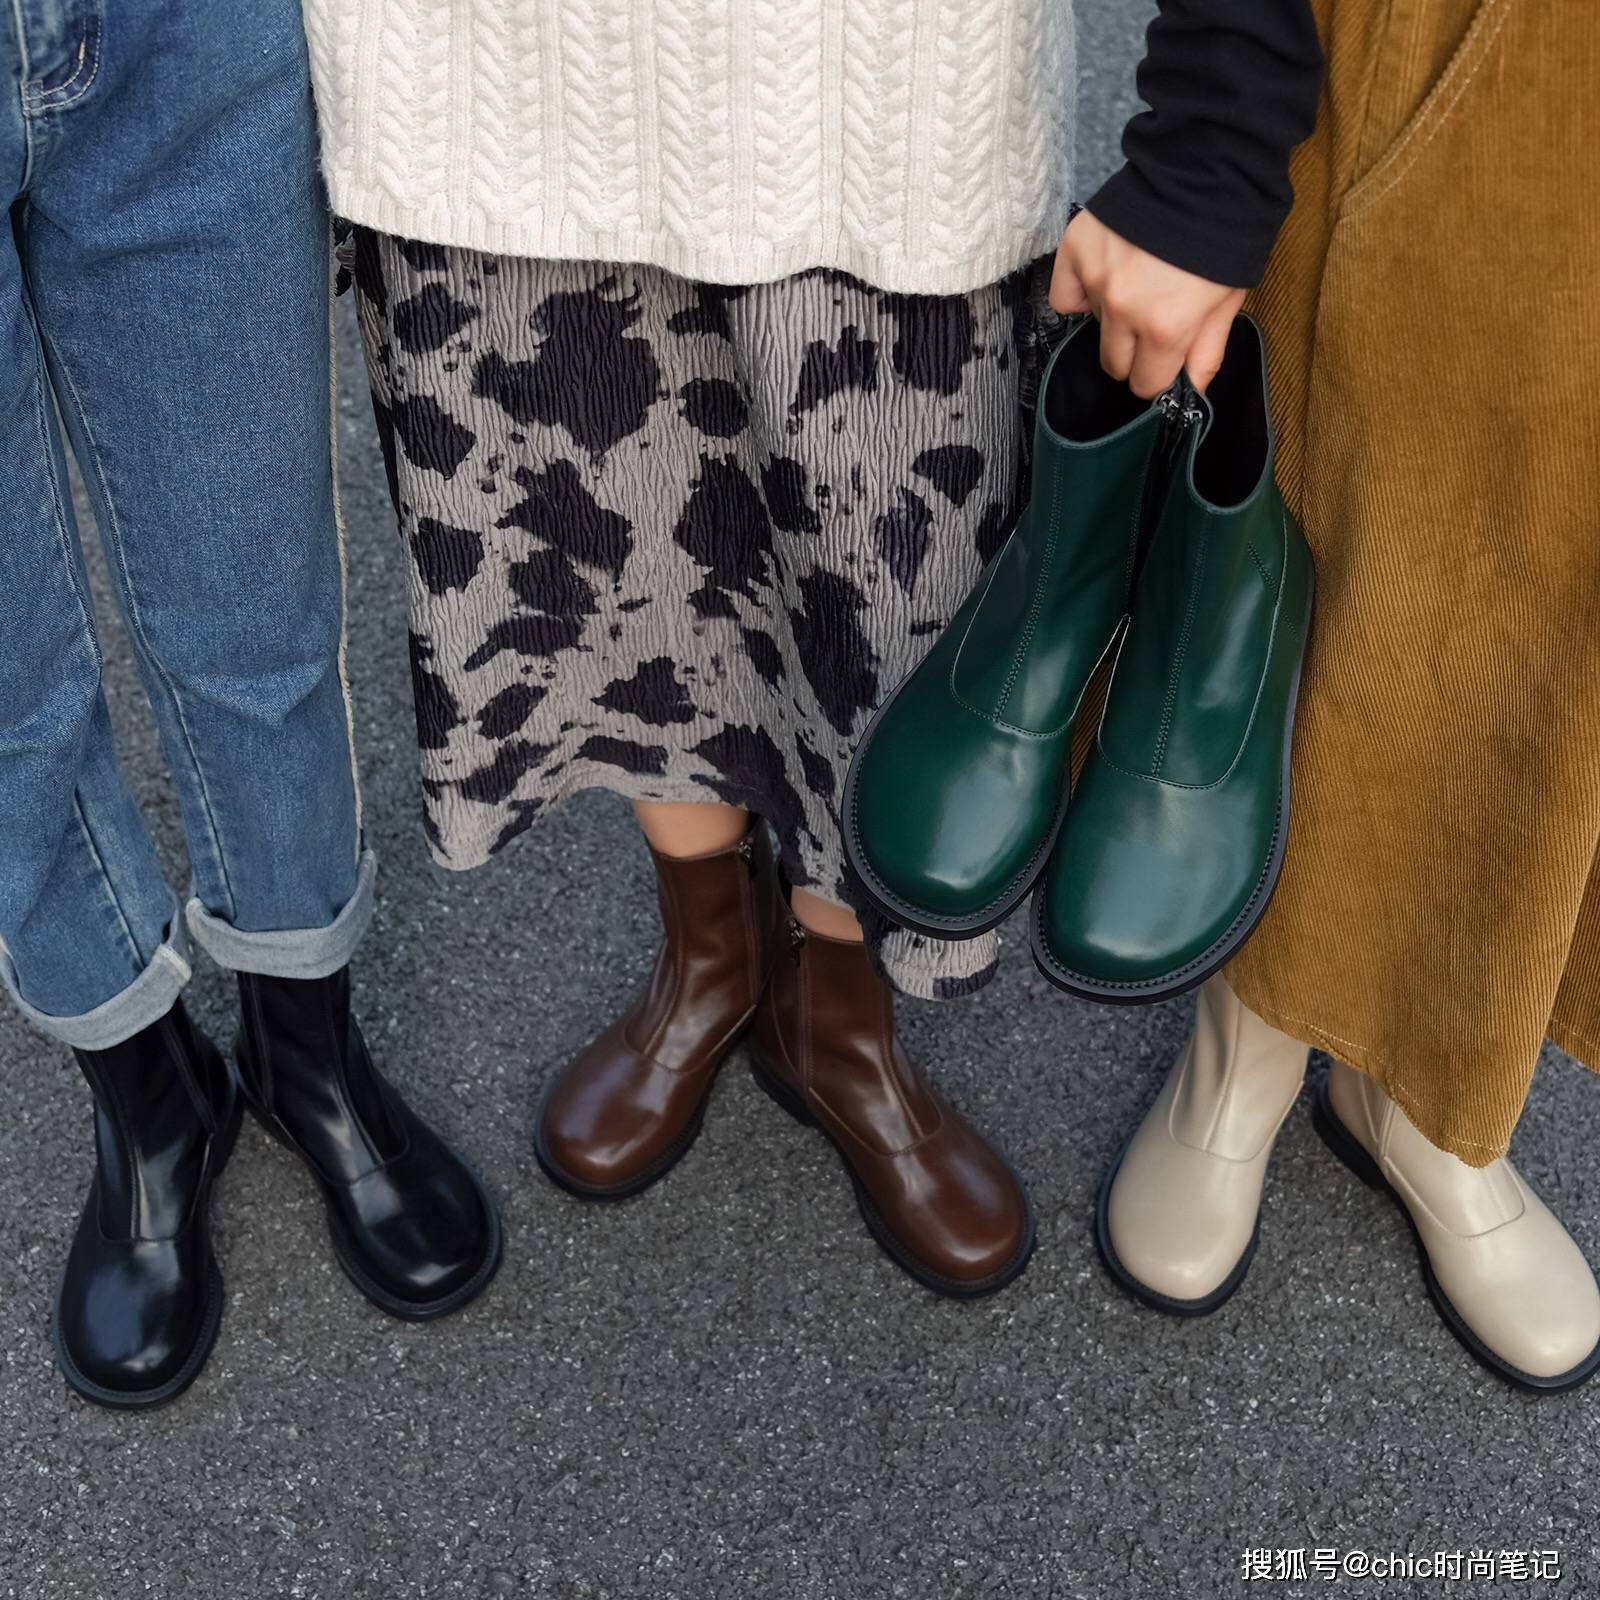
<point>1179,813</point>
<point>1199,638</point>
<point>1069,559</point>
<point>960,781</point>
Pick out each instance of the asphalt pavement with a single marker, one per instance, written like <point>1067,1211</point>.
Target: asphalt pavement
<point>723,1388</point>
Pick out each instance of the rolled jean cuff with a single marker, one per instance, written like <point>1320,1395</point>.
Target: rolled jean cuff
<point>290,952</point>
<point>146,1000</point>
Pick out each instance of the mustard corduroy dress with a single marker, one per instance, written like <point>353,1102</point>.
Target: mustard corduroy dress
<point>1433,310</point>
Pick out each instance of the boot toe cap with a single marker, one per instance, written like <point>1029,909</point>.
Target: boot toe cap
<point>420,1261</point>
<point>1543,1324</point>
<point>133,1328</point>
<point>1177,1220</point>
<point>993,1256</point>
<point>131,1367</point>
<point>951,846</point>
<point>1172,1254</point>
<point>971,1225</point>
<point>1130,913</point>
<point>615,1120</point>
<point>421,1230</point>
<point>592,1161</point>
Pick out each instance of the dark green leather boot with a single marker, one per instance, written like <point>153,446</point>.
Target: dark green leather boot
<point>1181,812</point>
<point>960,783</point>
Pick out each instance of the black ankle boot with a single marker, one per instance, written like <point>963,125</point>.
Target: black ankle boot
<point>413,1229</point>
<point>139,1304</point>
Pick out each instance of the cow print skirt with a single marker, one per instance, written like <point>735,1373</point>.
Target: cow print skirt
<point>678,540</point>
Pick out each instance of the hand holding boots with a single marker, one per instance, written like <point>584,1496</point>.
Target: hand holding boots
<point>1156,320</point>
<point>1155,532</point>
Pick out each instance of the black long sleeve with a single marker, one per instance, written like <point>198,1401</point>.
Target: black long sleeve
<point>1232,87</point>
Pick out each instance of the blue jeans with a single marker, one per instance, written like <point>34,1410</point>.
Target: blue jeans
<point>164,300</point>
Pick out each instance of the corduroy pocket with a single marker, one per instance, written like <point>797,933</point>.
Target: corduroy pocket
<point>1387,171</point>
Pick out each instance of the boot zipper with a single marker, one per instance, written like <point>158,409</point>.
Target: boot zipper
<point>260,1054</point>
<point>199,1095</point>
<point>1177,407</point>
<point>1179,413</point>
<point>746,850</point>
<point>797,938</point>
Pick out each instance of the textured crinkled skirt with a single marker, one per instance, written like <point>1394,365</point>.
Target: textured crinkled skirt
<point>678,540</point>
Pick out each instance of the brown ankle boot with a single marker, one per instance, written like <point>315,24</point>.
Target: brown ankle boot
<point>944,1204</point>
<point>630,1105</point>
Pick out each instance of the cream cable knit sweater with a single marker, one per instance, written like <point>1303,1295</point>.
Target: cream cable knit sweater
<point>923,145</point>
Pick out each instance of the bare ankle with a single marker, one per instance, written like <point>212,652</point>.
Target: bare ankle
<point>826,917</point>
<point>691,828</point>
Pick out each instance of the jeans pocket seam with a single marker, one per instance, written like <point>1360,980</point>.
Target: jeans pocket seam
<point>37,99</point>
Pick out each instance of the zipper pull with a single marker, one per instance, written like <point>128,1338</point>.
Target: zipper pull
<point>746,850</point>
<point>797,938</point>
<point>1174,409</point>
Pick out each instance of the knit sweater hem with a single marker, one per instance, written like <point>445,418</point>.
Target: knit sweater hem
<point>723,261</point>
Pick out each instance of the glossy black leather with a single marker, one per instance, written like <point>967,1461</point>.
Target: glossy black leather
<point>412,1227</point>
<point>138,1305</point>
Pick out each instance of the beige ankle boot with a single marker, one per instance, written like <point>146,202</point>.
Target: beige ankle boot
<point>1506,1277</point>
<point>1178,1212</point>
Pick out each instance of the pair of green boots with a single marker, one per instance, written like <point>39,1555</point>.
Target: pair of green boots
<point>1155,534</point>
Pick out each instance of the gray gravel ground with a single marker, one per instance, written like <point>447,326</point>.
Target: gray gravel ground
<point>723,1389</point>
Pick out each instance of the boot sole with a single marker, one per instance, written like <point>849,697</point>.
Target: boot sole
<point>1353,1154</point>
<point>163,1393</point>
<point>349,1259</point>
<point>1170,1304</point>
<point>954,1289</point>
<point>1210,961</point>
